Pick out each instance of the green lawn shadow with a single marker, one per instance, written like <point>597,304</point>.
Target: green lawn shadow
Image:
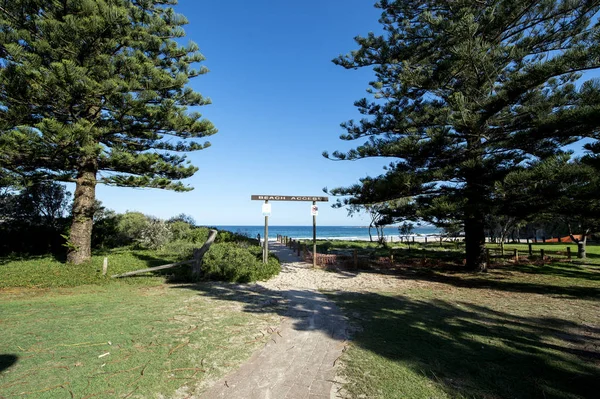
<point>476,351</point>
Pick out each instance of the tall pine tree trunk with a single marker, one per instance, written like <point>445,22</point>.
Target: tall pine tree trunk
<point>475,243</point>
<point>475,225</point>
<point>80,240</point>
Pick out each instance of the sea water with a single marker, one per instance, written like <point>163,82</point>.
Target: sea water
<point>328,232</point>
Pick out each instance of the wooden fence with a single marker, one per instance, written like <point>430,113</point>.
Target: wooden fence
<point>355,260</point>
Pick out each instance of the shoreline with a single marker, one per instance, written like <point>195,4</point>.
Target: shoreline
<point>413,238</point>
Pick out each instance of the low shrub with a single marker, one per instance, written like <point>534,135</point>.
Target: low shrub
<point>235,263</point>
<point>155,234</point>
<point>228,236</point>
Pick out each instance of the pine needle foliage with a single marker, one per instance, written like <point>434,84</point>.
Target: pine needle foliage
<point>466,92</point>
<point>95,91</point>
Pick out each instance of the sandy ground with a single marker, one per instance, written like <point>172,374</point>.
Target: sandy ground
<point>298,274</point>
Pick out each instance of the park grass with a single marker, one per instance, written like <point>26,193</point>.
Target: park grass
<point>48,271</point>
<point>518,331</point>
<point>121,340</point>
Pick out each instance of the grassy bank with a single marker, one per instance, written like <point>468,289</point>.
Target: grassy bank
<point>518,332</point>
<point>121,341</point>
<point>48,271</point>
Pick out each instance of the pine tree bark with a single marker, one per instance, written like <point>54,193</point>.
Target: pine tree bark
<point>80,239</point>
<point>475,225</point>
<point>475,243</point>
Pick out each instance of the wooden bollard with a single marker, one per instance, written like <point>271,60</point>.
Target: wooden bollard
<point>355,256</point>
<point>542,254</point>
<point>516,253</point>
<point>569,253</point>
<point>487,257</point>
<point>298,248</point>
<point>441,238</point>
<point>530,249</point>
<point>105,266</point>
<point>425,239</point>
<point>391,256</point>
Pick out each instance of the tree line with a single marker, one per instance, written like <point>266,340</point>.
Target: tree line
<point>476,104</point>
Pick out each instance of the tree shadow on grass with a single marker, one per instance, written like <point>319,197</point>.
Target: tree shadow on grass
<point>562,269</point>
<point>7,361</point>
<point>462,279</point>
<point>465,349</point>
<point>477,351</point>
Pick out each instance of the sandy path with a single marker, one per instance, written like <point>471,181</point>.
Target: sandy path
<point>301,358</point>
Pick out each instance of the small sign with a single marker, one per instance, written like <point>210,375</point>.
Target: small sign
<point>266,209</point>
<point>314,210</point>
<point>289,198</point>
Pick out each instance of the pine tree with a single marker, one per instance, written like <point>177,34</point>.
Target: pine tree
<point>95,91</point>
<point>558,189</point>
<point>465,92</point>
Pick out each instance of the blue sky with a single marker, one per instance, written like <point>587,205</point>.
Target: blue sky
<point>278,101</point>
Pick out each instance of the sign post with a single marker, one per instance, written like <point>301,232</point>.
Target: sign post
<point>314,210</point>
<point>267,213</point>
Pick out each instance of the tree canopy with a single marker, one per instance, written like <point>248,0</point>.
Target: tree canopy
<point>95,91</point>
<point>466,92</point>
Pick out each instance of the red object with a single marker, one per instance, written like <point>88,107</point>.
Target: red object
<point>564,239</point>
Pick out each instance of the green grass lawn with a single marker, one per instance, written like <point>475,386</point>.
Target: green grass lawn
<point>121,340</point>
<point>515,332</point>
<point>47,271</point>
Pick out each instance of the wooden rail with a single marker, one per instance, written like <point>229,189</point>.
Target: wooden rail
<point>196,262</point>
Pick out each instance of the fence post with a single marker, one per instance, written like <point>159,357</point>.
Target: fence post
<point>516,255</point>
<point>425,239</point>
<point>542,254</point>
<point>569,253</point>
<point>487,257</point>
<point>355,255</point>
<point>441,238</point>
<point>298,248</point>
<point>530,249</point>
<point>105,266</point>
<point>391,255</point>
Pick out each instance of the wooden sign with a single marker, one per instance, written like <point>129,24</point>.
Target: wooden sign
<point>288,198</point>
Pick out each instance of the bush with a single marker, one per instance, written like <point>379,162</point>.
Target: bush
<point>180,230</point>
<point>131,225</point>
<point>228,236</point>
<point>155,234</point>
<point>234,263</point>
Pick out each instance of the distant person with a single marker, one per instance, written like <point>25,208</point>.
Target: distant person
<point>258,238</point>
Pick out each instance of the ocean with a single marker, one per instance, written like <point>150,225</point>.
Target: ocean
<point>327,232</point>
